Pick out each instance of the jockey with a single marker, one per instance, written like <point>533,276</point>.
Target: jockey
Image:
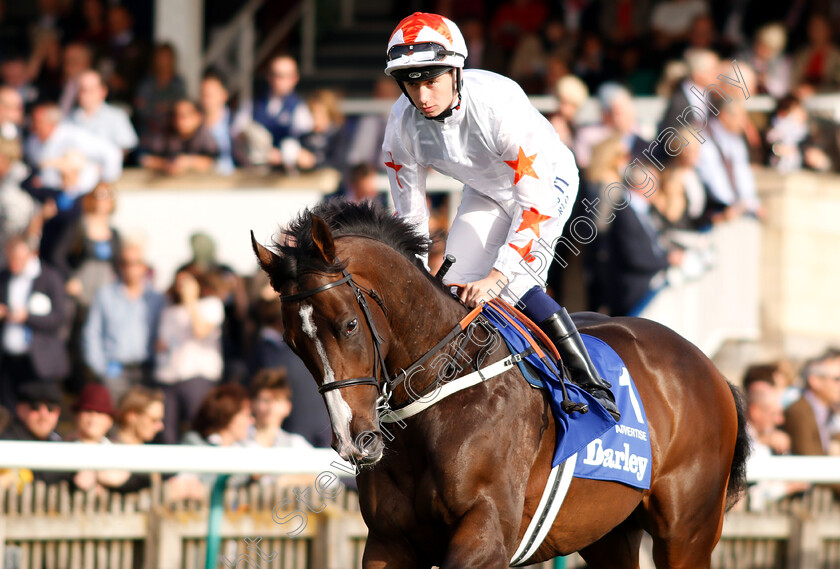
<point>520,181</point>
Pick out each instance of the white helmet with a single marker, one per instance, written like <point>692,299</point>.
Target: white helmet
<point>424,45</point>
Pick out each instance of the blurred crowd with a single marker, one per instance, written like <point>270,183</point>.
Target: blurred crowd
<point>790,413</point>
<point>91,350</point>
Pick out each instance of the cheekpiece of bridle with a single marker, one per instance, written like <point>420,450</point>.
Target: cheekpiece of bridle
<point>379,361</point>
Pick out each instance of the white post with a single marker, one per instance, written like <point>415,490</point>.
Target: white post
<point>181,22</point>
<point>307,39</point>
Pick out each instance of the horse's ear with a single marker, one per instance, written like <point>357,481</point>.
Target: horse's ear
<point>265,257</point>
<point>323,239</point>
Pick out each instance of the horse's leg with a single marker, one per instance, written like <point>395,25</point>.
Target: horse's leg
<point>619,549</point>
<point>477,542</point>
<point>684,522</point>
<point>384,553</point>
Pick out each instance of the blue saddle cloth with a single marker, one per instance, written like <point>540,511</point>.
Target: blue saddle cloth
<point>618,452</point>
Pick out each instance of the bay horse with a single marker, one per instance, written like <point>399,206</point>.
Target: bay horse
<point>456,485</point>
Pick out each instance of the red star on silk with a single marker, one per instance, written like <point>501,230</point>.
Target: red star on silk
<point>525,251</point>
<point>414,24</point>
<point>522,166</point>
<point>396,168</point>
<point>531,219</point>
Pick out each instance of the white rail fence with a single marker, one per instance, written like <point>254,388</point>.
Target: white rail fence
<point>50,527</point>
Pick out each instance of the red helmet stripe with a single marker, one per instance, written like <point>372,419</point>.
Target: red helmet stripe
<point>414,24</point>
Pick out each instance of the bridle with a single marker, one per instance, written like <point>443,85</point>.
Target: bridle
<point>379,360</point>
<point>388,383</point>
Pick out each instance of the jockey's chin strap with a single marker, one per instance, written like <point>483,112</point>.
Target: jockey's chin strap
<point>388,383</point>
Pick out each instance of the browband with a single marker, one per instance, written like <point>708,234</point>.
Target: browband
<point>307,293</point>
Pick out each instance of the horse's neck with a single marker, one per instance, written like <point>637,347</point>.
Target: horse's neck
<point>422,317</point>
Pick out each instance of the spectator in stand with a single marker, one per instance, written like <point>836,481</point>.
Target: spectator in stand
<point>76,60</point>
<point>230,288</point>
<point>44,67</point>
<point>623,21</point>
<point>94,32</point>
<point>189,349</point>
<point>157,96</point>
<point>515,19</point>
<point>671,20</point>
<point>780,373</point>
<point>33,309</point>
<point>120,332</point>
<point>326,144</point>
<point>69,158</point>
<point>88,256</point>
<point>764,416</point>
<point>223,419</point>
<point>618,114</point>
<point>684,197</point>
<point>127,56</point>
<point>17,208</point>
<point>703,68</point>
<point>368,131</point>
<point>94,411</point>
<point>535,54</point>
<point>591,63</point>
<point>361,185</point>
<point>100,118</point>
<point>14,73</point>
<point>189,147</point>
<point>68,162</point>
<point>281,112</point>
<point>214,99</point>
<point>768,59</point>
<point>308,416</point>
<point>37,411</point>
<point>11,114</point>
<point>791,143</point>
<point>807,420</point>
<point>724,166</point>
<point>571,94</point>
<point>630,260</point>
<point>139,418</point>
<point>818,63</point>
<point>271,401</point>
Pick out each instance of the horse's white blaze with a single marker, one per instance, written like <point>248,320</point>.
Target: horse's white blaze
<point>339,410</point>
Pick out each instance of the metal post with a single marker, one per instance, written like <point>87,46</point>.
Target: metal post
<point>214,523</point>
<point>307,38</point>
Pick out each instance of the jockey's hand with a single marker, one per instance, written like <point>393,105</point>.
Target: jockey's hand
<point>472,294</point>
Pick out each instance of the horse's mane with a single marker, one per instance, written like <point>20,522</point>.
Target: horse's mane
<point>300,255</point>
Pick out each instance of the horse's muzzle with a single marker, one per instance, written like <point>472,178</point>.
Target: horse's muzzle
<point>366,449</point>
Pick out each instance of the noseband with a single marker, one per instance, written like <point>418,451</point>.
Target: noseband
<point>379,360</point>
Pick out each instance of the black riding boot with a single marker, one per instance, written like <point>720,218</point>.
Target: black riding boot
<point>564,334</point>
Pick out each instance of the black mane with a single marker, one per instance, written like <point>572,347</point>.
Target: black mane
<point>299,254</point>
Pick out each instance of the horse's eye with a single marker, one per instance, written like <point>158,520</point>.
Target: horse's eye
<point>351,327</point>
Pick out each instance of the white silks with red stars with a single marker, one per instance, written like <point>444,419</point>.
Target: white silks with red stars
<point>502,149</point>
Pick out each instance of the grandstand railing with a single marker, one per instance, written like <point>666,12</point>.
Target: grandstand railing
<point>47,527</point>
<point>720,303</point>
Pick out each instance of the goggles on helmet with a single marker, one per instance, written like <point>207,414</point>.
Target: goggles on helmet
<point>427,51</point>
